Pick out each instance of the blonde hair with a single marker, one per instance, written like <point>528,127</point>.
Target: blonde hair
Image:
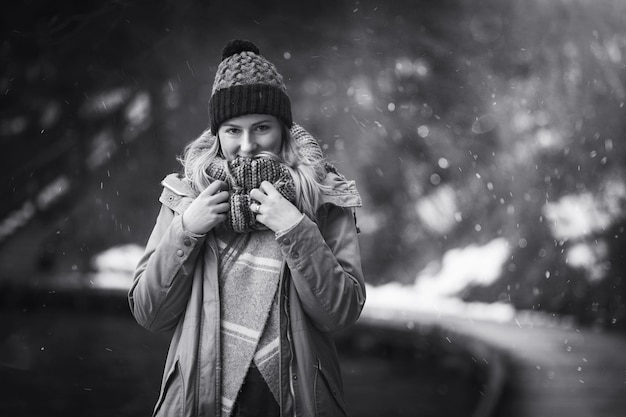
<point>306,168</point>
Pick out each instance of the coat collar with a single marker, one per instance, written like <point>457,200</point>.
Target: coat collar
<point>340,192</point>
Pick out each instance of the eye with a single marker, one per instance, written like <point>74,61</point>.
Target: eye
<point>263,128</point>
<point>232,130</point>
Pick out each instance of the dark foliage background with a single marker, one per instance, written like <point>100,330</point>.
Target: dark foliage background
<point>462,121</point>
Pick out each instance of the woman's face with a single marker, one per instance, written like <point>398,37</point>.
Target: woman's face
<point>249,135</point>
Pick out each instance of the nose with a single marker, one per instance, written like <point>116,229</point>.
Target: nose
<point>248,145</point>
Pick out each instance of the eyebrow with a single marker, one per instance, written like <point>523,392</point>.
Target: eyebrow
<point>253,124</point>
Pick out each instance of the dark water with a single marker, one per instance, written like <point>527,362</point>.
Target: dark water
<point>81,360</point>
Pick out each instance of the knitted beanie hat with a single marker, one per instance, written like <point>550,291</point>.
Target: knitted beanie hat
<point>247,83</point>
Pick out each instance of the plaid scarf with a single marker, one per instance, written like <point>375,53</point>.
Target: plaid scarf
<point>250,266</point>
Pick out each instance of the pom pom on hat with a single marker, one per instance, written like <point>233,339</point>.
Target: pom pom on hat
<point>237,46</point>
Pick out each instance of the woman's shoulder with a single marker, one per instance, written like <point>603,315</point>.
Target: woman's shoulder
<point>338,190</point>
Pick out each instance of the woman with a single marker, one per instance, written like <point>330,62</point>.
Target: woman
<point>253,261</point>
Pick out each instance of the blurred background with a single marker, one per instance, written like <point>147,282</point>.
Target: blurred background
<point>486,138</point>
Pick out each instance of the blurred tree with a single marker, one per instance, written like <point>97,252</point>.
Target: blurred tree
<point>461,121</point>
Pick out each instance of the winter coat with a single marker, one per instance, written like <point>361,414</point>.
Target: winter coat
<point>322,290</point>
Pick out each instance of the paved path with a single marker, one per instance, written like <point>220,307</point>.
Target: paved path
<point>552,370</point>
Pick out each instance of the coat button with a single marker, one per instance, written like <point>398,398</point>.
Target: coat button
<point>187,242</point>
<point>295,254</point>
<point>180,252</point>
<point>295,377</point>
<point>286,241</point>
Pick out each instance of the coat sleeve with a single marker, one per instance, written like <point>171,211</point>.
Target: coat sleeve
<point>163,277</point>
<point>325,265</point>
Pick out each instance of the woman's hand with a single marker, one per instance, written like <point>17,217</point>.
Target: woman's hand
<point>208,210</point>
<point>272,209</point>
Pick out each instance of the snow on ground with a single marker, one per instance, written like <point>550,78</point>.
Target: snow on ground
<point>436,288</point>
<point>434,292</point>
<point>114,267</point>
<point>394,296</point>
